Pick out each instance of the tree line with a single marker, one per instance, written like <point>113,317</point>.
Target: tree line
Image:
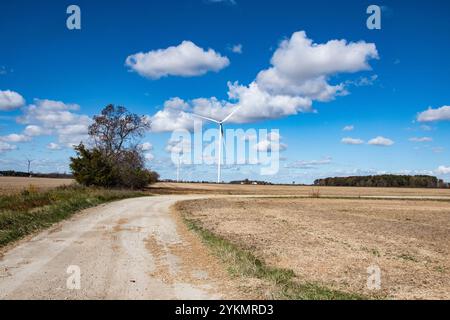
<point>386,180</point>
<point>54,175</point>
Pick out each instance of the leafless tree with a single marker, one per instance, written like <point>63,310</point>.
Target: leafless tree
<point>116,129</point>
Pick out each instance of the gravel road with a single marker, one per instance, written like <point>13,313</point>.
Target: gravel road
<point>130,249</point>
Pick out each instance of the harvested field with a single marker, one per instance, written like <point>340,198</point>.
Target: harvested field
<point>332,242</point>
<point>287,190</point>
<point>16,184</point>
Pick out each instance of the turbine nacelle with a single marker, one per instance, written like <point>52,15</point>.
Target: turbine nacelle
<point>220,123</point>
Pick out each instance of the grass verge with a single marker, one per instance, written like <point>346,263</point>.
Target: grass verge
<point>282,283</point>
<point>31,210</point>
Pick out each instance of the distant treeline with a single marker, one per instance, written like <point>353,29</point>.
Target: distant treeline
<point>386,180</point>
<point>11,173</point>
<point>247,181</point>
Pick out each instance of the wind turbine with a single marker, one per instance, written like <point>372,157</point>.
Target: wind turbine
<point>29,161</point>
<point>220,123</point>
<point>178,168</point>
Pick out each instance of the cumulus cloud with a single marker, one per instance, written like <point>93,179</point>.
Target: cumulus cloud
<point>430,115</point>
<point>421,139</point>
<point>186,60</point>
<point>15,138</point>
<point>300,74</point>
<point>381,141</point>
<point>34,131</point>
<point>443,170</point>
<point>302,67</point>
<point>6,147</point>
<point>352,141</point>
<point>46,117</point>
<point>10,100</point>
<point>173,116</point>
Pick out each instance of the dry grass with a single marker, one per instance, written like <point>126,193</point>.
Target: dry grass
<point>333,241</point>
<point>31,210</point>
<point>305,191</point>
<point>10,185</point>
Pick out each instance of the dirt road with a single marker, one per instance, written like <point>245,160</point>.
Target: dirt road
<point>131,249</point>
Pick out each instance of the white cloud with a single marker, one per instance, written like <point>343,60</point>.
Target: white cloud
<point>10,100</point>
<point>348,128</point>
<point>352,141</point>
<point>421,139</point>
<point>148,156</point>
<point>270,146</point>
<point>46,117</point>
<point>443,170</point>
<point>34,131</point>
<point>301,67</point>
<point>6,147</point>
<point>15,138</point>
<point>186,59</point>
<point>257,104</point>
<point>430,115</point>
<point>299,75</point>
<point>363,81</point>
<point>381,141</point>
<point>271,143</point>
<point>53,146</point>
<point>146,146</point>
<point>172,117</point>
<point>237,48</point>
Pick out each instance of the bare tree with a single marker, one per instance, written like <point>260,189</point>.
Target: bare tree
<point>115,128</point>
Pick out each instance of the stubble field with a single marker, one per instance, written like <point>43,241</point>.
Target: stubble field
<point>298,191</point>
<point>16,184</point>
<point>332,242</point>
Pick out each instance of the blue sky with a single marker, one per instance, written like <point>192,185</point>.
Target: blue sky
<point>48,70</point>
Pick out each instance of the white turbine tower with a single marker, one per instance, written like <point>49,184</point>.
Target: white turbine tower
<point>220,123</point>
<point>178,168</point>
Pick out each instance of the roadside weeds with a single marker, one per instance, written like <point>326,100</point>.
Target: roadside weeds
<point>31,211</point>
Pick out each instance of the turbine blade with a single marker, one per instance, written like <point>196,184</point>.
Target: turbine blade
<point>204,118</point>
<point>231,114</point>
